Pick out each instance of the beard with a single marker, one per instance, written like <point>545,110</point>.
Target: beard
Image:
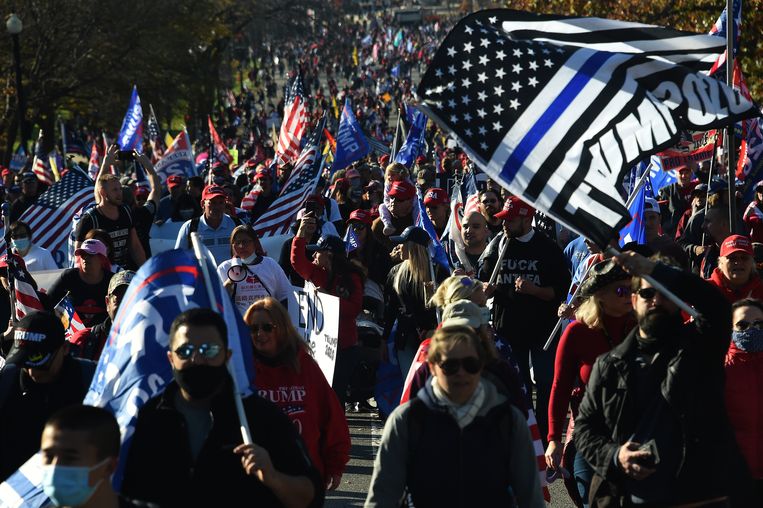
<point>658,323</point>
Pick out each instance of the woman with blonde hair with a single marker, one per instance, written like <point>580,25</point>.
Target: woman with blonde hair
<point>406,295</point>
<point>288,377</point>
<point>603,320</point>
<point>459,442</point>
<point>249,274</point>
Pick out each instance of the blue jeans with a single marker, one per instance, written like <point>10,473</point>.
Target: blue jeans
<point>583,474</point>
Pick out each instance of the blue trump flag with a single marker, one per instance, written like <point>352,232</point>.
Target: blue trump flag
<point>133,367</point>
<point>414,141</point>
<point>351,143</point>
<point>436,250</point>
<point>634,230</point>
<point>131,134</point>
<point>350,240</point>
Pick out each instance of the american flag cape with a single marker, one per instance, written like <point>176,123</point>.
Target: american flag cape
<point>50,216</point>
<point>294,122</point>
<point>307,169</point>
<point>26,298</point>
<point>40,165</point>
<point>557,109</point>
<point>133,366</point>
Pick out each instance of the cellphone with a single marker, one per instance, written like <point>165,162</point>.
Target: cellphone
<point>654,458</point>
<point>125,155</point>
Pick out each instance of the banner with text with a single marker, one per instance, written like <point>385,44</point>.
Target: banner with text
<point>316,318</point>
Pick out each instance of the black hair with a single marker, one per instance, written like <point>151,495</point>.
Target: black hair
<point>747,302</point>
<point>200,317</point>
<point>100,425</point>
<point>18,227</point>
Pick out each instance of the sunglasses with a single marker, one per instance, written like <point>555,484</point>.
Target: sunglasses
<point>266,327</point>
<point>555,474</point>
<point>206,350</point>
<point>622,291</point>
<point>647,293</point>
<point>746,325</point>
<point>489,201</point>
<point>471,365</point>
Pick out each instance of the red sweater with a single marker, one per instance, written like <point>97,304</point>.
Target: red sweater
<point>744,404</point>
<point>350,298</point>
<point>578,348</point>
<point>311,404</point>
<point>753,289</point>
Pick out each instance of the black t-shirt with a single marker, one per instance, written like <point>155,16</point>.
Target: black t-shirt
<point>118,230</point>
<point>144,219</point>
<point>89,300</point>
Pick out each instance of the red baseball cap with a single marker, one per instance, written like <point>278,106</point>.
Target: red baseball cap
<point>515,207</point>
<point>5,172</point>
<point>174,180</point>
<point>736,243</point>
<point>361,215</point>
<point>141,191</point>
<point>212,191</point>
<point>402,189</point>
<point>436,196</point>
<point>383,160</point>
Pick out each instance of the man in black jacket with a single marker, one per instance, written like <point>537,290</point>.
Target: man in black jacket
<point>38,379</point>
<point>653,423</point>
<point>187,451</point>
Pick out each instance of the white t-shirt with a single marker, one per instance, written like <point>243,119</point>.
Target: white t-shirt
<point>217,240</point>
<point>38,259</point>
<point>263,279</point>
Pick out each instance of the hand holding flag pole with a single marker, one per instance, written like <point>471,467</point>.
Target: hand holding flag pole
<point>246,433</point>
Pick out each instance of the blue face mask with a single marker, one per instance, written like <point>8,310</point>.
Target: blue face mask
<point>750,340</point>
<point>69,485</point>
<point>21,244</point>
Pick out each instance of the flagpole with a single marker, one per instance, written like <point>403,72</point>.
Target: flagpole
<point>710,179</point>
<point>552,335</point>
<point>246,433</point>
<point>730,141</point>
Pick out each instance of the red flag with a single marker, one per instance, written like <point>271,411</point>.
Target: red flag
<point>220,150</point>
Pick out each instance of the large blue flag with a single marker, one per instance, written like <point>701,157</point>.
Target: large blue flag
<point>414,141</point>
<point>634,231</point>
<point>351,143</point>
<point>131,134</point>
<point>133,366</point>
<point>436,250</point>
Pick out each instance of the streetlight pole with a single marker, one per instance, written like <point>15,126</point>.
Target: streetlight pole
<point>14,26</point>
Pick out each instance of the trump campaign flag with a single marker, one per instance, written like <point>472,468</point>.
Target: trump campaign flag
<point>178,159</point>
<point>414,140</point>
<point>351,143</point>
<point>131,134</point>
<point>557,109</point>
<point>133,366</point>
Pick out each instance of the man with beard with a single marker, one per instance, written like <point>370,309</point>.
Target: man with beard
<point>187,451</point>
<point>490,204</point>
<point>475,235</point>
<point>116,219</point>
<point>652,423</point>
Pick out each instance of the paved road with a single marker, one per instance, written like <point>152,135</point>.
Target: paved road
<point>365,431</point>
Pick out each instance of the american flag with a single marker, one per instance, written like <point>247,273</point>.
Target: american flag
<point>558,109</point>
<point>40,165</point>
<point>50,216</point>
<point>26,298</point>
<point>69,317</point>
<point>294,122</point>
<point>719,30</point>
<point>307,168</point>
<point>154,136</point>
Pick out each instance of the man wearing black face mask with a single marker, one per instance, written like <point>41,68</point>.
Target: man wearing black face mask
<point>187,451</point>
<point>653,421</point>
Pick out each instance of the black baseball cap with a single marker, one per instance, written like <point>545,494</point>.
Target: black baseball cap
<point>413,234</point>
<point>331,243</point>
<point>36,337</point>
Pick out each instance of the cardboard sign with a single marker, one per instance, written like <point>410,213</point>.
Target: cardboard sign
<point>316,318</point>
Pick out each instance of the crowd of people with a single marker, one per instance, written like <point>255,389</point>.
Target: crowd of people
<point>637,403</point>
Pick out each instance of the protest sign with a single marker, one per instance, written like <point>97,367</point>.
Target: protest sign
<point>316,317</point>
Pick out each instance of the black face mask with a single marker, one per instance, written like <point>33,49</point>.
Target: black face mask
<point>200,381</point>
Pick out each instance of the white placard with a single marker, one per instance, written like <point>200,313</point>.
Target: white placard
<point>316,317</point>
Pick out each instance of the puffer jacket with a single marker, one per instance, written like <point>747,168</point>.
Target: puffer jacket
<point>696,437</point>
<point>744,403</point>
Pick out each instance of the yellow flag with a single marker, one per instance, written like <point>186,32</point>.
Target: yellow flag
<point>335,107</point>
<point>355,56</point>
<point>168,139</point>
<point>54,168</point>
<point>234,153</point>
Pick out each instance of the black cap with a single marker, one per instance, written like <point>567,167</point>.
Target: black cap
<point>28,177</point>
<point>602,273</point>
<point>718,185</point>
<point>35,338</point>
<point>413,234</point>
<point>332,243</point>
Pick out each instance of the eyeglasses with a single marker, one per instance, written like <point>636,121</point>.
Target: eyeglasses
<point>266,327</point>
<point>647,293</point>
<point>746,325</point>
<point>622,291</point>
<point>471,365</point>
<point>206,350</point>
